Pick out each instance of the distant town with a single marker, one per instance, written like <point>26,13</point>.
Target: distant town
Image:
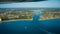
<point>50,14</point>
<point>12,14</point>
<point>15,14</point>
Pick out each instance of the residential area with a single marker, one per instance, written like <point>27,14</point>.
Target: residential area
<point>13,14</point>
<point>50,14</point>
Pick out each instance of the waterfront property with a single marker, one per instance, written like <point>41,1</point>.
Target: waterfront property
<point>45,14</point>
<point>14,22</point>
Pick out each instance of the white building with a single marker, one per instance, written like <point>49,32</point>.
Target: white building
<point>0,19</point>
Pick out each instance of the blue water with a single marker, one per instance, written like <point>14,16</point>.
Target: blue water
<point>31,27</point>
<point>34,26</point>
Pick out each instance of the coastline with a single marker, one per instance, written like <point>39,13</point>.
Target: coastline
<point>27,19</point>
<point>15,20</point>
<point>49,19</point>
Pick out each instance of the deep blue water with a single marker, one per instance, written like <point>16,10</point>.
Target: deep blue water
<point>34,26</point>
<point>30,27</point>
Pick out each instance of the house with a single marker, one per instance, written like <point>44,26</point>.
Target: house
<point>13,16</point>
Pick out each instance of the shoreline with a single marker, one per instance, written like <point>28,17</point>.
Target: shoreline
<point>49,19</point>
<point>16,20</point>
<point>27,19</point>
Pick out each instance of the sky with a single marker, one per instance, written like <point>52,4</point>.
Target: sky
<point>40,4</point>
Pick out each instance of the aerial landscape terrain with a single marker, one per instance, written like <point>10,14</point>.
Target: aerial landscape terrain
<point>13,14</point>
<point>29,16</point>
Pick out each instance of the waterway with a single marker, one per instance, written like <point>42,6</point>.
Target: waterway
<point>34,26</point>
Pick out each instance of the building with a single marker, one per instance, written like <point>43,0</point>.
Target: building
<point>0,19</point>
<point>13,16</point>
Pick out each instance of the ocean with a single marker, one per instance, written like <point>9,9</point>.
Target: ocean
<point>35,26</point>
<point>51,26</point>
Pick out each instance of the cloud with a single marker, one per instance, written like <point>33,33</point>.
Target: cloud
<point>43,4</point>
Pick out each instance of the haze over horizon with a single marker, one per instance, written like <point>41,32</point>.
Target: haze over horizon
<point>40,4</point>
